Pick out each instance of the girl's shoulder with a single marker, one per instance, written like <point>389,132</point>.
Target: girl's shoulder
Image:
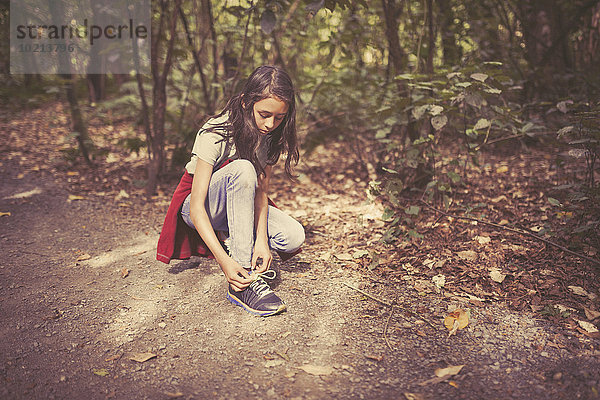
<point>215,124</point>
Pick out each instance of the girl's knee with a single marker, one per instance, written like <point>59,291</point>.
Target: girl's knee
<point>244,172</point>
<point>295,237</point>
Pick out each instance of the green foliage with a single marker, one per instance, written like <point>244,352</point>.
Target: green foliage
<point>470,106</point>
<point>553,311</point>
<point>581,198</point>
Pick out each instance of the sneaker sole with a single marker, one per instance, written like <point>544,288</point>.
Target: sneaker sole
<point>252,311</point>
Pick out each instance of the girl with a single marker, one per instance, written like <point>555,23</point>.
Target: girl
<point>224,191</point>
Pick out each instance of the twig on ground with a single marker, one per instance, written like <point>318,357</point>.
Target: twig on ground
<point>385,303</point>
<point>519,231</point>
<point>387,323</point>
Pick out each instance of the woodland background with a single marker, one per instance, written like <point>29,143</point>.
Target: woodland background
<point>416,91</point>
<point>449,169</point>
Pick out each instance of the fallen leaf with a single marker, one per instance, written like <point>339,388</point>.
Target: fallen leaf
<point>83,257</point>
<point>423,286</point>
<point>479,76</point>
<point>124,273</point>
<point>374,357</point>
<point>442,374</point>
<point>73,197</point>
<point>469,255</point>
<point>4,214</point>
<point>283,355</point>
<point>454,328</point>
<point>122,195</point>
<point>360,253</point>
<point>72,173</point>
<point>591,314</point>
<point>142,357</point>
<point>503,222</point>
<point>453,384</point>
<point>439,280</point>
<point>413,396</point>
<point>344,257</point>
<point>578,290</point>
<point>273,363</point>
<point>173,395</point>
<point>496,275</point>
<point>502,169</point>
<point>113,358</point>
<point>101,372</point>
<point>483,239</point>
<point>587,326</point>
<point>24,195</point>
<point>316,369</point>
<point>448,371</point>
<point>499,199</point>
<point>457,319</point>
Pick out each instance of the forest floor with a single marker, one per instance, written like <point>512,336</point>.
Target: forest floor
<point>87,311</point>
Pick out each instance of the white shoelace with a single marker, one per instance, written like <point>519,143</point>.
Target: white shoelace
<point>259,285</point>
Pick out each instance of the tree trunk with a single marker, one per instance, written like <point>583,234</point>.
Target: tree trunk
<point>78,122</point>
<point>451,51</point>
<point>391,11</point>
<point>431,37</point>
<point>160,74</point>
<point>197,54</point>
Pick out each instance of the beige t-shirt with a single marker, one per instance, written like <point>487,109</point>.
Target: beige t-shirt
<point>210,147</point>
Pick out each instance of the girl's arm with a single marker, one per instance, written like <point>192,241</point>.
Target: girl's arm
<point>261,204</point>
<point>236,275</point>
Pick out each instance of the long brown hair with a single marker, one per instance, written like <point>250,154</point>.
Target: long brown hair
<point>266,81</point>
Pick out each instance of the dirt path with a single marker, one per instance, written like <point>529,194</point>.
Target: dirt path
<point>72,323</point>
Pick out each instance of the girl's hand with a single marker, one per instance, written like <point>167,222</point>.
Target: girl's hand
<point>261,252</point>
<point>236,275</point>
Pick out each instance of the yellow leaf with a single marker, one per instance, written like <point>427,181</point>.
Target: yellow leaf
<point>4,214</point>
<point>72,173</point>
<point>453,384</point>
<point>413,396</point>
<point>344,257</point>
<point>124,273</point>
<point>316,369</point>
<point>142,357</point>
<point>101,372</point>
<point>84,257</point>
<point>73,197</point>
<point>467,255</point>
<point>457,319</point>
<point>496,275</point>
<point>502,169</point>
<point>483,239</point>
<point>448,371</point>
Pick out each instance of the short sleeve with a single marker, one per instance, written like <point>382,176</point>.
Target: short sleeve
<point>208,147</point>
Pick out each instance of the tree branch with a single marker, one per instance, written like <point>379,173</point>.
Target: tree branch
<point>519,231</point>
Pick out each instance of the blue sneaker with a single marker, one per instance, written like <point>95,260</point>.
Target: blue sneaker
<point>258,298</point>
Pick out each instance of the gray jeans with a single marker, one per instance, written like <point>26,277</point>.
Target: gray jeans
<point>230,207</point>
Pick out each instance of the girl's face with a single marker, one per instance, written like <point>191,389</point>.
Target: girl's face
<point>268,114</point>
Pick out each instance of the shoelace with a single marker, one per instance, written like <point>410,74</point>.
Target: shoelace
<point>259,285</point>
